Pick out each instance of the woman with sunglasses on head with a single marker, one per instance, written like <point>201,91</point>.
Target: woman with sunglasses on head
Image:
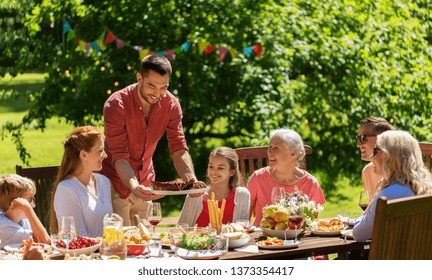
<point>366,138</point>
<point>18,221</point>
<point>397,158</point>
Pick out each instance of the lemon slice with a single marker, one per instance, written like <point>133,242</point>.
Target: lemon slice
<point>114,257</point>
<point>111,235</point>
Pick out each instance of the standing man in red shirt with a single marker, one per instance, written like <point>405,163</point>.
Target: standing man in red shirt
<point>135,118</point>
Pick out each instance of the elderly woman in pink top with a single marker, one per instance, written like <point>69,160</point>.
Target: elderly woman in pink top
<point>285,153</point>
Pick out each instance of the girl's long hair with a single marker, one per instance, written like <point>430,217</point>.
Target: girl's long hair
<point>231,155</point>
<point>81,139</point>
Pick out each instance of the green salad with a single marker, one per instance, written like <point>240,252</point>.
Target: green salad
<point>196,241</point>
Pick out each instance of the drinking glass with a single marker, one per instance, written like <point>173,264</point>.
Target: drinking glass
<point>296,219</point>
<point>67,230</point>
<point>344,217</point>
<point>278,195</point>
<point>154,215</point>
<point>363,200</point>
<point>155,247</point>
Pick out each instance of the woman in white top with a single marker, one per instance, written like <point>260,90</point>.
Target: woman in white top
<point>225,182</point>
<point>78,190</point>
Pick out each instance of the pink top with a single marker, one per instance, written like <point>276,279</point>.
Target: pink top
<point>261,184</point>
<point>129,137</point>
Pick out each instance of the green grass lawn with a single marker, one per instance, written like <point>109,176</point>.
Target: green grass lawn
<point>46,147</point>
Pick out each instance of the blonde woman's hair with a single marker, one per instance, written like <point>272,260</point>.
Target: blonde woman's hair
<point>403,162</point>
<point>13,186</point>
<point>81,139</point>
<point>292,140</point>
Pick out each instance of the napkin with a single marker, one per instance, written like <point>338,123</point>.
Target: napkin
<point>248,249</point>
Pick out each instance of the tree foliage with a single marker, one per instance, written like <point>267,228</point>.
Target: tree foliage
<point>327,64</point>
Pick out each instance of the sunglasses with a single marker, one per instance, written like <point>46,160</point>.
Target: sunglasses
<point>375,151</point>
<point>362,138</point>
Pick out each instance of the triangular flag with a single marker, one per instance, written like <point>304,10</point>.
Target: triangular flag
<point>247,51</point>
<point>186,46</point>
<point>169,54</point>
<point>95,46</point>
<point>232,52</point>
<point>178,50</point>
<point>101,45</point>
<point>222,53</point>
<point>143,53</point>
<point>70,35</point>
<point>82,45</point>
<point>110,37</point>
<point>202,46</point>
<point>120,44</point>
<point>161,53</point>
<point>66,27</point>
<point>88,48</point>
<point>258,50</point>
<point>209,49</point>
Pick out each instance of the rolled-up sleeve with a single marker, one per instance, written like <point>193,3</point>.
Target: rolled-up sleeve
<point>115,129</point>
<point>175,134</point>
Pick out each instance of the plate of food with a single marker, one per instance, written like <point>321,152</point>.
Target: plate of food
<point>331,227</point>
<point>274,243</point>
<point>178,187</point>
<point>19,247</point>
<point>196,254</point>
<point>79,245</point>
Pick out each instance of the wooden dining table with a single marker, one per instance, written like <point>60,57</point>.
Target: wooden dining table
<point>311,245</point>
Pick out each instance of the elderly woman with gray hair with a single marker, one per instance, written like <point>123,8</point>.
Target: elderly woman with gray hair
<point>285,153</point>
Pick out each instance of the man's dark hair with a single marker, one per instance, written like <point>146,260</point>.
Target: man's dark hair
<point>157,63</point>
<point>379,124</point>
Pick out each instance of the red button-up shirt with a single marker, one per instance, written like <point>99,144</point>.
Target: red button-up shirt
<point>129,137</point>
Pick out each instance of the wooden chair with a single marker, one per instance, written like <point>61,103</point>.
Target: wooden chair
<point>44,178</point>
<point>253,158</point>
<point>402,229</point>
<point>426,149</point>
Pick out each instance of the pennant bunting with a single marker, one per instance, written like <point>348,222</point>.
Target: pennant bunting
<point>186,46</point>
<point>143,53</point>
<point>110,37</point>
<point>258,50</point>
<point>247,51</point>
<point>70,35</point>
<point>170,55</point>
<point>222,53</point>
<point>66,27</point>
<point>202,46</point>
<point>107,37</point>
<point>119,43</point>
<point>209,49</point>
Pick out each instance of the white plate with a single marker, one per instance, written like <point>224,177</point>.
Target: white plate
<point>290,233</point>
<point>327,233</point>
<point>159,192</point>
<point>77,252</point>
<point>17,247</point>
<point>348,233</point>
<point>196,254</point>
<point>287,244</point>
<point>236,243</point>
